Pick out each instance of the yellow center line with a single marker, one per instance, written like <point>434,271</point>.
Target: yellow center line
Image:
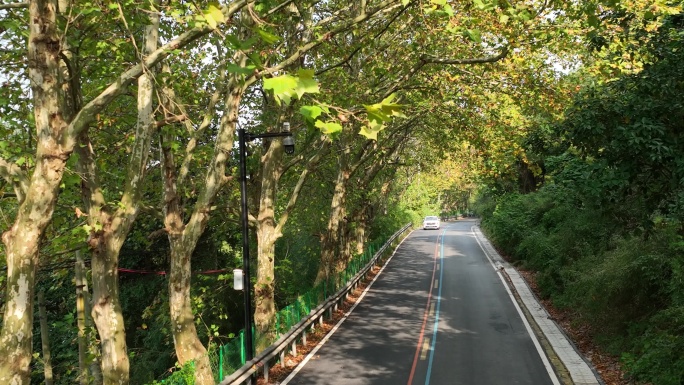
<point>436,283</point>
<point>426,348</point>
<point>432,309</point>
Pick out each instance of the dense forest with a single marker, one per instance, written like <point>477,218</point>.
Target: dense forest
<point>558,122</point>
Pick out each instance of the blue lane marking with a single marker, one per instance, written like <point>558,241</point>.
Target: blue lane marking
<point>439,301</point>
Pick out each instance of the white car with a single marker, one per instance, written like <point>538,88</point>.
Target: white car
<point>431,222</point>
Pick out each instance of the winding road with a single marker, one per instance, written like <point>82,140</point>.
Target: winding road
<point>438,314</point>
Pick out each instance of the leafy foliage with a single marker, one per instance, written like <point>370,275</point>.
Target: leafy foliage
<point>604,232</point>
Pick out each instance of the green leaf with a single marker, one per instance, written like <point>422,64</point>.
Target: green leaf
<point>306,83</point>
<point>282,87</point>
<point>311,112</point>
<point>474,35</point>
<point>242,45</point>
<point>371,130</point>
<point>375,114</point>
<point>383,111</point>
<point>286,87</point>
<point>405,2</point>
<point>268,38</point>
<point>236,69</point>
<point>329,128</point>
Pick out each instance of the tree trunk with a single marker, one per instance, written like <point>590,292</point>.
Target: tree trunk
<point>269,231</point>
<point>106,242</point>
<point>106,311</point>
<point>331,237</point>
<point>35,211</point>
<point>264,288</point>
<point>183,237</point>
<point>360,224</point>
<point>81,321</point>
<point>45,339</point>
<point>185,339</point>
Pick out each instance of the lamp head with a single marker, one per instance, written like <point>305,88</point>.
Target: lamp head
<point>289,144</point>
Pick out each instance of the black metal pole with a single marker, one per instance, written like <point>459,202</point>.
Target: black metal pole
<point>249,349</point>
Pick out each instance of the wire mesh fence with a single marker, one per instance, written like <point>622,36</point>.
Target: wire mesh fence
<point>227,358</point>
<point>231,356</point>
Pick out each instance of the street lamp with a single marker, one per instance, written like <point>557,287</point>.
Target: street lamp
<point>243,138</point>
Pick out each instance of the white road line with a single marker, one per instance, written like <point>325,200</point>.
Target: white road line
<point>533,336</point>
<point>346,315</point>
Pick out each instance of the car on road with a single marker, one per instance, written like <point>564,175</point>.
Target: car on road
<point>431,222</point>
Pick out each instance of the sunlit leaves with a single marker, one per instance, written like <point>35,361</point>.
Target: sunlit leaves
<point>372,129</point>
<point>236,69</point>
<point>473,34</point>
<point>286,87</point>
<point>213,15</point>
<point>311,113</point>
<point>485,5</point>
<point>385,110</point>
<point>329,128</point>
<point>379,114</point>
<point>267,37</point>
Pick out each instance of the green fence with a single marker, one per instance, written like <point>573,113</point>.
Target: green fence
<point>231,356</point>
<point>228,358</point>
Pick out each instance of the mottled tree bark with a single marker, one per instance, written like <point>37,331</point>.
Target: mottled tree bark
<point>183,237</point>
<point>35,211</point>
<point>110,228</point>
<point>269,230</point>
<point>264,288</point>
<point>330,241</point>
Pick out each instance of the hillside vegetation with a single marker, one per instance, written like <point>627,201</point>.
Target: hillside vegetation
<point>605,229</point>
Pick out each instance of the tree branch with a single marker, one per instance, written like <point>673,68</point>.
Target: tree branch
<point>431,60</point>
<point>14,5</point>
<point>15,176</point>
<point>313,161</point>
<point>87,114</point>
<point>478,60</point>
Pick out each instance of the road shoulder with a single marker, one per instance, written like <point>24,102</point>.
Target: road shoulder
<point>579,370</point>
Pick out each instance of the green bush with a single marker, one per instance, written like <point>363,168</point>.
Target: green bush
<point>656,356</point>
<point>627,287</point>
<point>184,376</point>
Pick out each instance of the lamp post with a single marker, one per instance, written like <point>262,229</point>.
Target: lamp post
<point>243,138</point>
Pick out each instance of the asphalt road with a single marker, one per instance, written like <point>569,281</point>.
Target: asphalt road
<point>438,314</point>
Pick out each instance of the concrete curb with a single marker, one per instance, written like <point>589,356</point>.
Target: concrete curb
<point>580,370</point>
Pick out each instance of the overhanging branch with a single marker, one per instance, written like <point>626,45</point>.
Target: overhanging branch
<point>425,60</point>
<point>14,5</point>
<point>478,60</point>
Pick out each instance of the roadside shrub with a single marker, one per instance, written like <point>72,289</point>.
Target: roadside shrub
<point>656,356</point>
<point>511,221</point>
<point>628,284</point>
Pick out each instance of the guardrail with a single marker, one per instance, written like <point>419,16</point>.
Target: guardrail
<point>261,363</point>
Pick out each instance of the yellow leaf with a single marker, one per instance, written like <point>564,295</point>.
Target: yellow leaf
<point>213,15</point>
<point>371,131</point>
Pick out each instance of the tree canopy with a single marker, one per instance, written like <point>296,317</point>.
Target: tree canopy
<point>119,122</point>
